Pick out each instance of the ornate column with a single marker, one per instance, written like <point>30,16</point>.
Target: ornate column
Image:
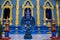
<point>10,15</point>
<point>44,16</point>
<point>58,19</point>
<point>17,12</point>
<point>57,11</point>
<point>38,12</point>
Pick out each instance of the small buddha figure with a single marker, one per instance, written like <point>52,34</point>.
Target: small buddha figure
<point>28,14</point>
<point>28,22</point>
<point>27,19</point>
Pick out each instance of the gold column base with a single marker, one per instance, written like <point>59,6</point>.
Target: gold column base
<point>16,31</point>
<point>39,30</point>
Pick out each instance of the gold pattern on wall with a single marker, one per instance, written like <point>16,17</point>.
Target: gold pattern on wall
<point>10,6</point>
<point>27,6</point>
<point>47,7</point>
<point>57,12</point>
<point>38,12</point>
<point>17,13</point>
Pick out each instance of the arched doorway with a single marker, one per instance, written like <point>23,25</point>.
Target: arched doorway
<point>6,13</point>
<point>48,14</point>
<point>48,11</point>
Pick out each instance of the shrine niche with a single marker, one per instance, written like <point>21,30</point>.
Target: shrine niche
<point>27,4</point>
<point>48,12</point>
<point>27,14</point>
<point>7,10</point>
<point>6,13</point>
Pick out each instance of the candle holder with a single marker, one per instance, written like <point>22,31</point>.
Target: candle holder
<point>6,30</point>
<point>53,29</point>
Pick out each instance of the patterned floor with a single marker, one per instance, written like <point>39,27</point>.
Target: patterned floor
<point>35,36</point>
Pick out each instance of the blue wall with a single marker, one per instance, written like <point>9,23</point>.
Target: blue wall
<point>34,3</point>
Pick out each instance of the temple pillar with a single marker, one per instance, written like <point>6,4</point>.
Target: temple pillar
<point>17,12</point>
<point>44,16</point>
<point>11,16</point>
<point>58,20</point>
<point>57,12</point>
<point>38,14</point>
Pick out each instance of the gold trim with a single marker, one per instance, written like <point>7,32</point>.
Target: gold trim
<point>27,6</point>
<point>57,12</point>
<point>17,12</point>
<point>5,2</point>
<point>44,16</point>
<point>45,6</point>
<point>25,3</point>
<point>7,6</point>
<point>38,12</point>
<point>49,33</point>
